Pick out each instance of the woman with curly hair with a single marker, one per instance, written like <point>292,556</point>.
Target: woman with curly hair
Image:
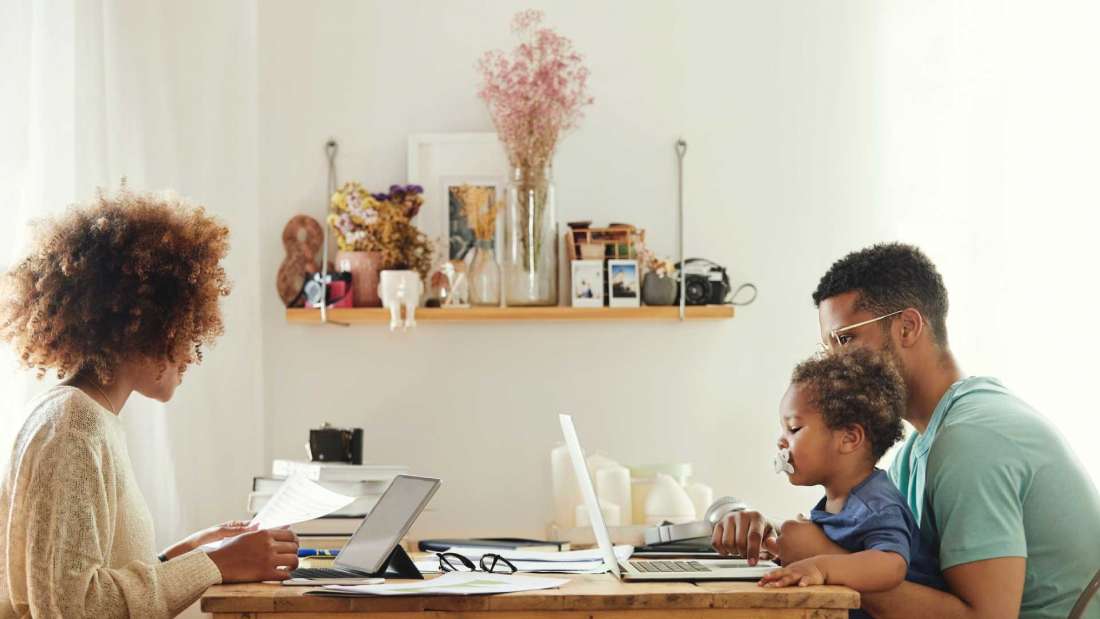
<point>117,297</point>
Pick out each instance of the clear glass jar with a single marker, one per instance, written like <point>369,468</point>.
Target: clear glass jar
<point>484,275</point>
<point>530,239</point>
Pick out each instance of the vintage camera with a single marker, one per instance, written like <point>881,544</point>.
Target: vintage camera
<point>334,287</point>
<point>329,444</point>
<point>705,282</point>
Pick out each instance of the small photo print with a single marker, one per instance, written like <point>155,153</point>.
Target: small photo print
<point>623,283</point>
<point>587,283</point>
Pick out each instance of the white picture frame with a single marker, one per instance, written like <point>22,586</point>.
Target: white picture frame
<point>586,283</point>
<point>437,161</point>
<point>624,288</point>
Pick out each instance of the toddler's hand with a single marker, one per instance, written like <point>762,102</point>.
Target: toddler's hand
<point>802,573</point>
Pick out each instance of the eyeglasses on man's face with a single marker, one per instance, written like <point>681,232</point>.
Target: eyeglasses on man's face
<point>837,338</point>
<point>492,563</point>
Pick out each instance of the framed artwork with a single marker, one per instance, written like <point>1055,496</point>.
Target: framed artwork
<point>439,162</point>
<point>586,283</point>
<point>623,285</point>
<point>460,236</point>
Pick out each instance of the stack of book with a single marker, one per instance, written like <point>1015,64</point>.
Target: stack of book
<point>363,481</point>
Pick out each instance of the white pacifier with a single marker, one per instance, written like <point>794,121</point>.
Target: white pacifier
<point>783,461</point>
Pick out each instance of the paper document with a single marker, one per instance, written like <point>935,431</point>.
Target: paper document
<point>451,583</point>
<point>475,553</point>
<point>296,500</point>
<point>431,566</point>
<point>574,562</point>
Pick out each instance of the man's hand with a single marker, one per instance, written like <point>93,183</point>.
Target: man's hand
<point>803,573</point>
<point>232,528</point>
<point>744,533</point>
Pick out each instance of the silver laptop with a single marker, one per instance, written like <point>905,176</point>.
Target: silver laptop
<point>369,548</point>
<point>636,570</point>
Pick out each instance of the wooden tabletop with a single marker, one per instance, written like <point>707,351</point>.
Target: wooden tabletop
<point>583,592</point>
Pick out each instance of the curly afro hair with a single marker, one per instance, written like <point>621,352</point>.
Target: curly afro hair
<point>133,274</point>
<point>889,277</point>
<point>857,387</point>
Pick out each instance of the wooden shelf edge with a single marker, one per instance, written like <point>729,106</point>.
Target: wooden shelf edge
<point>377,315</point>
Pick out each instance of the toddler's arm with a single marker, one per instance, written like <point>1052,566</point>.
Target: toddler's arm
<point>865,571</point>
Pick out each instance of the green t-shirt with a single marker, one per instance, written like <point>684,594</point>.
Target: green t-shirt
<point>991,478</point>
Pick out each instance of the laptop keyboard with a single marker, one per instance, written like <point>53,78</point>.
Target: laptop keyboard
<point>653,567</point>
<point>324,572</point>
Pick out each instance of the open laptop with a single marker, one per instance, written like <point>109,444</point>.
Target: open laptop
<point>368,549</point>
<point>641,570</point>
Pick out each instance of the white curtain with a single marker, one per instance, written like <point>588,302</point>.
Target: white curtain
<point>162,93</point>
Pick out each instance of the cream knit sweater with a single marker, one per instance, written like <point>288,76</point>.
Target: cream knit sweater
<point>76,538</point>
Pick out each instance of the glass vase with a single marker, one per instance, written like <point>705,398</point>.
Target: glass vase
<point>530,239</point>
<point>484,275</point>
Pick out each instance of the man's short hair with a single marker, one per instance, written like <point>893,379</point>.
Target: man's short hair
<point>890,277</point>
<point>857,386</point>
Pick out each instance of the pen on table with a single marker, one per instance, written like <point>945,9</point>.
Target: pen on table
<point>317,552</point>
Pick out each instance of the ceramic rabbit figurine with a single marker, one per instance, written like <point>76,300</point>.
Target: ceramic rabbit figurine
<point>401,288</point>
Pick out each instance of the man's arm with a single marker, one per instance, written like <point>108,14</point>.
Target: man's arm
<point>986,589</point>
<point>989,588</point>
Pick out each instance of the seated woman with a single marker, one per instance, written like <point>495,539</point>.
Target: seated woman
<point>117,296</point>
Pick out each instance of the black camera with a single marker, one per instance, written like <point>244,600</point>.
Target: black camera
<point>705,283</point>
<point>329,444</point>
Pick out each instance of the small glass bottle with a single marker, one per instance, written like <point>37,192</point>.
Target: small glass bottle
<point>484,275</point>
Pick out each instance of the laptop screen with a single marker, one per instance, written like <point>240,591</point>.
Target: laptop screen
<point>387,523</point>
<point>588,492</point>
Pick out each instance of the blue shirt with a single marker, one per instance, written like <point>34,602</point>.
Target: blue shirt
<point>875,517</point>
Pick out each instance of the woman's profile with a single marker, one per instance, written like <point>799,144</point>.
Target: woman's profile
<point>117,296</point>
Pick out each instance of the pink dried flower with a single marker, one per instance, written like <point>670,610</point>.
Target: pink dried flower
<point>536,94</point>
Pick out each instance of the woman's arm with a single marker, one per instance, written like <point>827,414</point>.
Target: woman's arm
<point>70,530</point>
<point>233,528</point>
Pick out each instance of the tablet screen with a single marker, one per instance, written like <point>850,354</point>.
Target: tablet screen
<point>387,523</point>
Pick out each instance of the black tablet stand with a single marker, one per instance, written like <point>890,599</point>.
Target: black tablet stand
<point>399,565</point>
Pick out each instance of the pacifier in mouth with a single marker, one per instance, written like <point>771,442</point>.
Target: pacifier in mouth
<point>783,462</point>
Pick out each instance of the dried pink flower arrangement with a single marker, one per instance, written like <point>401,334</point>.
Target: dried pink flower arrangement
<point>535,94</point>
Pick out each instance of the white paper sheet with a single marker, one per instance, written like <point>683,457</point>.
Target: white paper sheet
<point>452,583</point>
<point>297,500</point>
<point>474,553</point>
<point>431,566</point>
<point>573,562</point>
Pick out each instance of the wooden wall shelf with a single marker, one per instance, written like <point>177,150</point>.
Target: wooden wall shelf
<point>373,315</point>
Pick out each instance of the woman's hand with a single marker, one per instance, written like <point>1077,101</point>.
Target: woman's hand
<point>232,528</point>
<point>803,573</point>
<point>260,555</point>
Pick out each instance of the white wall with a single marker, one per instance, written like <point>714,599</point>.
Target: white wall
<point>814,128</point>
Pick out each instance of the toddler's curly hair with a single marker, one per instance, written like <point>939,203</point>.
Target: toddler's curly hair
<point>857,387</point>
<point>132,274</point>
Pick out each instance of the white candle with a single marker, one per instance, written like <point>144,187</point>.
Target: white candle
<point>611,515</point>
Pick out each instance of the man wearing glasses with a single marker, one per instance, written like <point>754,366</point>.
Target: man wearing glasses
<point>995,487</point>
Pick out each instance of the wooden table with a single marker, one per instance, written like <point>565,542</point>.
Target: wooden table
<point>584,597</point>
